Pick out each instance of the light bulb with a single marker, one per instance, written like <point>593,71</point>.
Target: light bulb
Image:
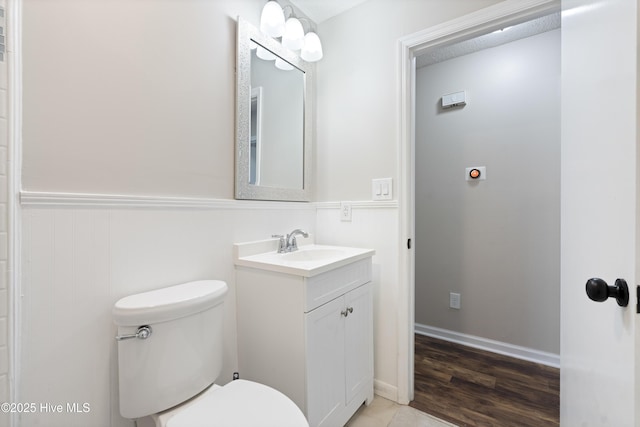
<point>272,19</point>
<point>312,50</point>
<point>293,37</point>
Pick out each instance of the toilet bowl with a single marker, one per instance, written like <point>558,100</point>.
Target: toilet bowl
<point>240,403</point>
<point>169,355</point>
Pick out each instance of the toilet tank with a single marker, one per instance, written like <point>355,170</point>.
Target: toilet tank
<point>182,355</point>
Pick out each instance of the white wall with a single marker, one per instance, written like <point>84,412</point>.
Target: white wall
<point>496,242</point>
<point>131,97</point>
<point>5,344</point>
<point>357,90</point>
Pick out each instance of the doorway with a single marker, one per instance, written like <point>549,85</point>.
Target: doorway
<point>488,247</point>
<point>591,141</point>
<point>487,209</point>
<point>465,28</point>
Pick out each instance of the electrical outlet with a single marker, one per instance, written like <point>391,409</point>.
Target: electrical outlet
<point>454,300</point>
<point>345,211</point>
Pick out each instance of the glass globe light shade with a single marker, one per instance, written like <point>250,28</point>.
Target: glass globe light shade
<point>263,53</point>
<point>293,37</point>
<point>312,50</point>
<point>281,64</point>
<point>272,19</point>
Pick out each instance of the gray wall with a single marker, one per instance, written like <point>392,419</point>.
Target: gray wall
<point>496,242</point>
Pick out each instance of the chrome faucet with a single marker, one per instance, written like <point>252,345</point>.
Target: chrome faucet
<point>282,244</point>
<point>292,245</point>
<point>289,243</point>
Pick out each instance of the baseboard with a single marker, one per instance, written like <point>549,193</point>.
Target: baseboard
<point>524,353</point>
<point>385,390</point>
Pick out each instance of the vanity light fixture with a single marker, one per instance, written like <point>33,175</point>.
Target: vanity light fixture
<point>273,24</point>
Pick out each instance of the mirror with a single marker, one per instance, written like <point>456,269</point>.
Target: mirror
<point>273,120</point>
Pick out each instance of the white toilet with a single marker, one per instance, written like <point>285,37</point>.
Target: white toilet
<point>170,353</point>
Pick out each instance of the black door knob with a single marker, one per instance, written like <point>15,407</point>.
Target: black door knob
<point>598,290</point>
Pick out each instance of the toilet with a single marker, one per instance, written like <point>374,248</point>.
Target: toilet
<point>169,355</point>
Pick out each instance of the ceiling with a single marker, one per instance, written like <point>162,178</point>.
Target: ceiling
<point>497,38</point>
<point>321,10</point>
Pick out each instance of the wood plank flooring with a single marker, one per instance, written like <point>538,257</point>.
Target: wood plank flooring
<point>471,387</point>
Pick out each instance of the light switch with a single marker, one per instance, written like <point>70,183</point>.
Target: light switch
<point>382,189</point>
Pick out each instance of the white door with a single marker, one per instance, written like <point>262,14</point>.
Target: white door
<point>325,363</point>
<point>358,340</point>
<point>599,212</point>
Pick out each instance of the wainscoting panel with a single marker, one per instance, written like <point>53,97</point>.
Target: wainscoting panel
<point>78,260</point>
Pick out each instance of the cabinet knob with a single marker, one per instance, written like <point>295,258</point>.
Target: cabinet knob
<point>346,312</point>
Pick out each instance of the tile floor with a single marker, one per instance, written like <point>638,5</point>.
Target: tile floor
<point>385,413</point>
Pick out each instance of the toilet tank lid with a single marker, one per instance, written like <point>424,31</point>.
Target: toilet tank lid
<point>169,303</point>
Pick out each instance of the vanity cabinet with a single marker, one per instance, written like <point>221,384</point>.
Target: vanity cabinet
<point>309,337</point>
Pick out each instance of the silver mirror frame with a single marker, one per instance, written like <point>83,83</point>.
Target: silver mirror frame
<point>244,190</point>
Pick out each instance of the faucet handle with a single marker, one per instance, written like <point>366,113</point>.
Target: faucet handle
<point>282,244</point>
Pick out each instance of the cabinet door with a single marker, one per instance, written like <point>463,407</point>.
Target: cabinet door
<point>326,364</point>
<point>358,340</point>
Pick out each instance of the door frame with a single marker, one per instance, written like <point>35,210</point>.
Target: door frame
<point>500,15</point>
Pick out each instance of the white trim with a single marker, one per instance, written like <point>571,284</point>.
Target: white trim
<point>385,390</point>
<point>502,14</point>
<point>54,199</point>
<point>58,199</point>
<point>506,349</point>
<point>14,158</point>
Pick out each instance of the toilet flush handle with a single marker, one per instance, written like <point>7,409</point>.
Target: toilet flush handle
<point>142,333</point>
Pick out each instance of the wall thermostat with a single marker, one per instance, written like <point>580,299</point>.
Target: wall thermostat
<point>476,173</point>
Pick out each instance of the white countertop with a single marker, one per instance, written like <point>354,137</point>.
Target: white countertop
<point>309,260</point>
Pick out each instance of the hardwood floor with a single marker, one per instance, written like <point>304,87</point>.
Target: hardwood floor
<point>471,387</point>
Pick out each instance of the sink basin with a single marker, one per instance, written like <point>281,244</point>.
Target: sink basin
<point>313,253</point>
<point>307,261</point>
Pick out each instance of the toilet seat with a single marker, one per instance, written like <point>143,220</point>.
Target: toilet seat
<point>240,403</point>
